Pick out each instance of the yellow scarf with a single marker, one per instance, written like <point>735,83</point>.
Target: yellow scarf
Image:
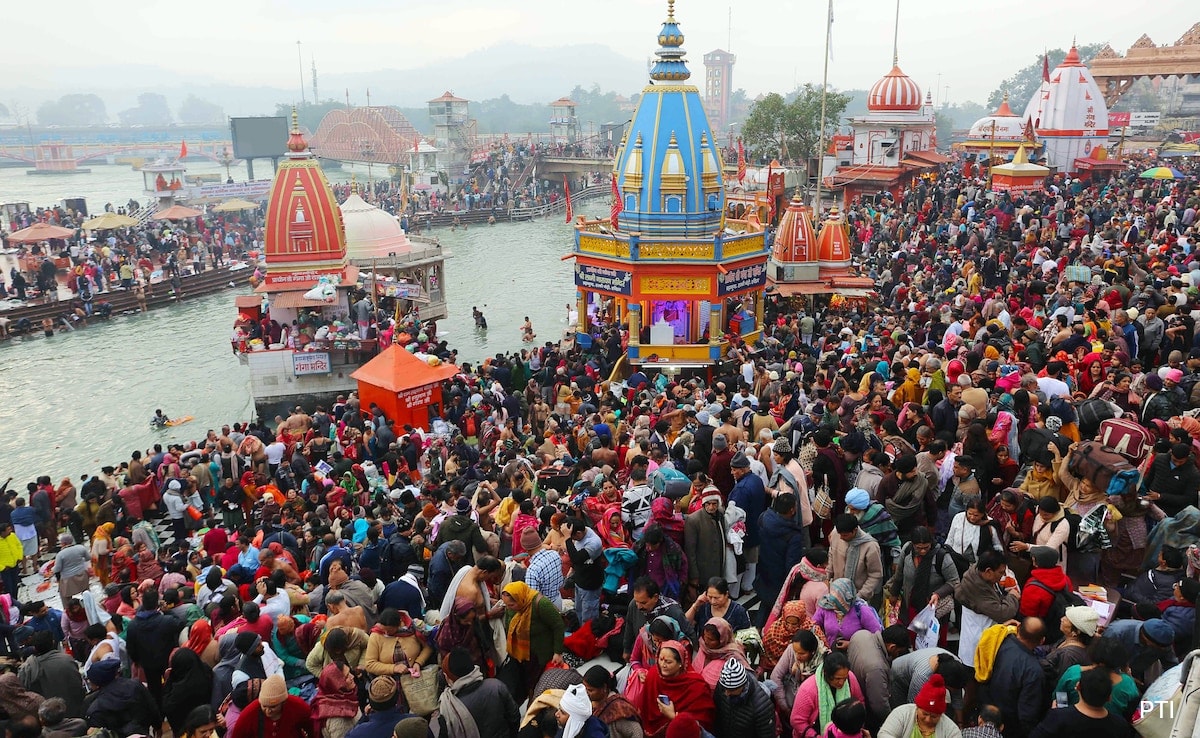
<point>522,620</point>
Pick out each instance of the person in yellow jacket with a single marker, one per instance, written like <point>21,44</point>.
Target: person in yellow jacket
<point>11,555</point>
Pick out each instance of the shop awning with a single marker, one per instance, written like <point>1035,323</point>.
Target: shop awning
<point>819,288</point>
<point>297,299</point>
<point>929,156</point>
<point>247,301</point>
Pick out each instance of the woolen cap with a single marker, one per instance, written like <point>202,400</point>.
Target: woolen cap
<point>733,674</point>
<point>1159,631</point>
<point>274,690</point>
<point>720,442</point>
<point>463,506</point>
<point>1044,557</point>
<point>1084,618</point>
<point>782,446</point>
<point>383,689</point>
<point>932,697</point>
<point>739,461</point>
<point>411,727</point>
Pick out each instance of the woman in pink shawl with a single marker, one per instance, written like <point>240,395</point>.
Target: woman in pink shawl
<point>662,511</point>
<point>716,647</point>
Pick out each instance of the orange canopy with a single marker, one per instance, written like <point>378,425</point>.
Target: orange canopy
<point>177,212</point>
<point>396,370</point>
<point>40,232</point>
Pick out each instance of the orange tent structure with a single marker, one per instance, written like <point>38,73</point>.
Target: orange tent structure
<point>403,386</point>
<point>40,232</point>
<point>177,212</point>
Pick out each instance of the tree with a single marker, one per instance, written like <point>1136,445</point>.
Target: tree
<point>1022,85</point>
<point>194,110</point>
<point>151,110</point>
<point>72,110</point>
<point>3,110</point>
<point>791,130</point>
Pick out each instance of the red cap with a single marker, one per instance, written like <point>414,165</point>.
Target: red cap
<point>932,697</point>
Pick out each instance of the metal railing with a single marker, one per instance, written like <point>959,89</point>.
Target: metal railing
<point>538,211</point>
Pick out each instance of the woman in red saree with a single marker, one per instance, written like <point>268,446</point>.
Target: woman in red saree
<point>687,692</point>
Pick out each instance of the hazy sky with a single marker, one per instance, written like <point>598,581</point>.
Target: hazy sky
<point>973,46</point>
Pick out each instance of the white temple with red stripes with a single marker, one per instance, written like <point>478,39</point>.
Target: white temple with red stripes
<point>893,143</point>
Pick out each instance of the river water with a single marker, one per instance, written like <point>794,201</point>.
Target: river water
<point>77,401</point>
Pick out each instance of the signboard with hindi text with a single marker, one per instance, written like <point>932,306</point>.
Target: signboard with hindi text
<point>604,279</point>
<point>740,279</point>
<point>311,362</point>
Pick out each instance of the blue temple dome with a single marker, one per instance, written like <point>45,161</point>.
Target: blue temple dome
<point>669,166</point>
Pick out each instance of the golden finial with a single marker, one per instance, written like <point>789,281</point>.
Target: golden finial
<point>670,11</point>
<point>354,183</point>
<point>295,120</point>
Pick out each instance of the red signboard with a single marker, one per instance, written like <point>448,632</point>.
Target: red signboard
<point>1118,120</point>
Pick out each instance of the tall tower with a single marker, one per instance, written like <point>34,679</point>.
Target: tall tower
<point>718,87</point>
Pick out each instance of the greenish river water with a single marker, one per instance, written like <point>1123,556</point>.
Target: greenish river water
<point>80,400</point>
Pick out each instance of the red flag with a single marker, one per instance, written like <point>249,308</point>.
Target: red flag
<point>1045,67</point>
<point>1029,133</point>
<point>567,188</point>
<point>741,173</point>
<point>183,149</point>
<point>616,204</point>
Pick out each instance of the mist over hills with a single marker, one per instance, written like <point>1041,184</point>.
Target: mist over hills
<point>527,74</point>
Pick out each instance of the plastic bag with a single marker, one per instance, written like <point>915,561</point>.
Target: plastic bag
<point>927,627</point>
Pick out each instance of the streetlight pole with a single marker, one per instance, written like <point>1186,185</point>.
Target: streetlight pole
<point>300,58</point>
<point>821,137</point>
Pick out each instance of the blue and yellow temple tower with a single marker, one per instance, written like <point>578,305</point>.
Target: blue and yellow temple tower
<point>684,278</point>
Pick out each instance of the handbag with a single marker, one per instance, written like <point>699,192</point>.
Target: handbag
<point>822,503</point>
<point>421,693</point>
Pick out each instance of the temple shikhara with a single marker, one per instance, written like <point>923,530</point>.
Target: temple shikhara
<point>1069,116</point>
<point>893,143</point>
<point>686,279</point>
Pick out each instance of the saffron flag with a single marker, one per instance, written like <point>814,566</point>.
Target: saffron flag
<point>1045,67</point>
<point>183,149</point>
<point>567,189</point>
<point>616,205</point>
<point>741,172</point>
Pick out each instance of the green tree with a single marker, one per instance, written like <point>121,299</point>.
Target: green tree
<point>151,110</point>
<point>72,110</point>
<point>194,110</point>
<point>1022,85</point>
<point>790,130</point>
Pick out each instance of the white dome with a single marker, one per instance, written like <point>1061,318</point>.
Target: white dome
<point>371,233</point>
<point>1008,127</point>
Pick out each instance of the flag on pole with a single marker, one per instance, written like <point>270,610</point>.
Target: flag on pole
<point>770,197</point>
<point>829,33</point>
<point>1029,133</point>
<point>1045,67</point>
<point>567,189</point>
<point>616,205</point>
<point>741,171</point>
<point>183,149</point>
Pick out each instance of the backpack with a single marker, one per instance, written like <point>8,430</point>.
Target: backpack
<point>1063,598</point>
<point>1108,470</point>
<point>960,562</point>
<point>395,558</point>
<point>1092,413</point>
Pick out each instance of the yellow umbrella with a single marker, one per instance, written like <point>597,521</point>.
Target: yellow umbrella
<point>109,220</point>
<point>234,205</point>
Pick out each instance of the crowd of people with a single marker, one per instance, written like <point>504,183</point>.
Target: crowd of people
<point>967,508</point>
